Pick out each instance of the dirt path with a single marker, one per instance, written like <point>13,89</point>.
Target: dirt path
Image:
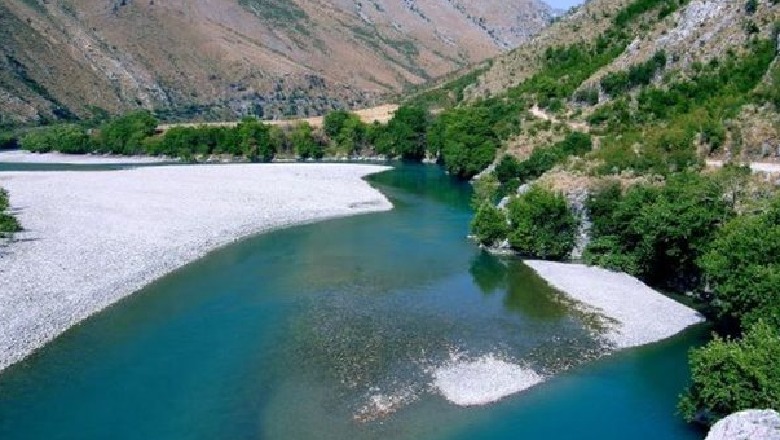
<point>382,113</point>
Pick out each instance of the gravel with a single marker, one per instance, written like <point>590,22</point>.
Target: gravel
<point>750,424</point>
<point>487,379</point>
<point>21,156</point>
<point>92,238</point>
<point>637,314</point>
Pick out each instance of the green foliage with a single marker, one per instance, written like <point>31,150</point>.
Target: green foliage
<point>587,96</point>
<point>507,169</point>
<point>448,94</point>
<point>8,141</point>
<point>304,143</point>
<point>406,131</point>
<point>464,139</point>
<point>334,122</point>
<point>616,83</point>
<point>255,141</point>
<point>8,223</point>
<point>346,131</point>
<point>734,375</point>
<point>485,191</point>
<point>125,135</point>
<point>541,225</point>
<point>544,159</point>
<point>65,138</point>
<point>657,233</point>
<point>489,225</point>
<point>742,267</point>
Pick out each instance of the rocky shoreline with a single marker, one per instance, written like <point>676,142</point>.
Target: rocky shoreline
<point>92,238</point>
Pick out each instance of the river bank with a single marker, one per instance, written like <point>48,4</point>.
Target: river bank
<point>92,238</point>
<point>26,157</point>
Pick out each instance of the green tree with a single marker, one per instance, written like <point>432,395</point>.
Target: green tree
<point>541,225</point>
<point>125,135</point>
<point>8,141</point>
<point>733,375</point>
<point>464,139</point>
<point>304,143</point>
<point>657,233</point>
<point>352,136</point>
<point>489,225</point>
<point>742,268</point>
<point>255,140</point>
<point>334,121</point>
<point>407,132</point>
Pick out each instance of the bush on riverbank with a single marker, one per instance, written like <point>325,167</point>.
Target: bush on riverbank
<point>733,375</point>
<point>742,268</point>
<point>541,225</point>
<point>489,225</point>
<point>8,223</point>
<point>657,233</point>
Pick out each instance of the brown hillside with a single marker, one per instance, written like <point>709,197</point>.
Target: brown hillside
<point>222,58</point>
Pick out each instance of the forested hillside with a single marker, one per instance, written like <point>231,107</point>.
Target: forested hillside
<point>596,139</point>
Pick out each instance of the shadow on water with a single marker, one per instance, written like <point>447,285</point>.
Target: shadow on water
<point>524,292</point>
<point>293,334</point>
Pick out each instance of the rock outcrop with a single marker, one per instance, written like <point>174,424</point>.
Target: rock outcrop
<point>748,425</point>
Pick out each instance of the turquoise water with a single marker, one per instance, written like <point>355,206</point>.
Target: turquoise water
<point>289,335</point>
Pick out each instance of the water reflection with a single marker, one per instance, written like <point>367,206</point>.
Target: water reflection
<point>525,292</point>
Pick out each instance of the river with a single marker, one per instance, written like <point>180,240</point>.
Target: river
<point>332,331</point>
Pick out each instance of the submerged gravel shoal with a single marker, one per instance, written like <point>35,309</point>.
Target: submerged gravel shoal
<point>643,315</point>
<point>93,238</point>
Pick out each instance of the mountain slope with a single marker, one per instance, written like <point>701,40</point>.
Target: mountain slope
<point>228,57</point>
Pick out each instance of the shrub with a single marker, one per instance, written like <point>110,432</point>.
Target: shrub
<point>507,169</point>
<point>734,375</point>
<point>125,135</point>
<point>489,225</point>
<point>742,267</point>
<point>8,223</point>
<point>541,225</point>
<point>8,141</point>
<point>657,233</point>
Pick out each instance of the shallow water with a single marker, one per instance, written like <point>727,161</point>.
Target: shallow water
<point>333,331</point>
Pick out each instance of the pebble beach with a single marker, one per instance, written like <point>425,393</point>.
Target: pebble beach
<point>92,238</point>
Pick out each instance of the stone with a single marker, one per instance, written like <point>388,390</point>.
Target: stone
<point>751,424</point>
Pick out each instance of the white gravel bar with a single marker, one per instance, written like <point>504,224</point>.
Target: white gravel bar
<point>643,315</point>
<point>22,156</point>
<point>469,382</point>
<point>93,238</point>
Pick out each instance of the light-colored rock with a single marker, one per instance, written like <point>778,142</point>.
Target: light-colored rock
<point>21,156</point>
<point>92,238</point>
<point>468,382</point>
<point>636,314</point>
<point>751,424</point>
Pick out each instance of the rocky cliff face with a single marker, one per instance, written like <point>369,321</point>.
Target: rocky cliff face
<point>221,58</point>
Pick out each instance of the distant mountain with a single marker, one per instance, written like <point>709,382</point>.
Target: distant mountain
<point>222,58</point>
